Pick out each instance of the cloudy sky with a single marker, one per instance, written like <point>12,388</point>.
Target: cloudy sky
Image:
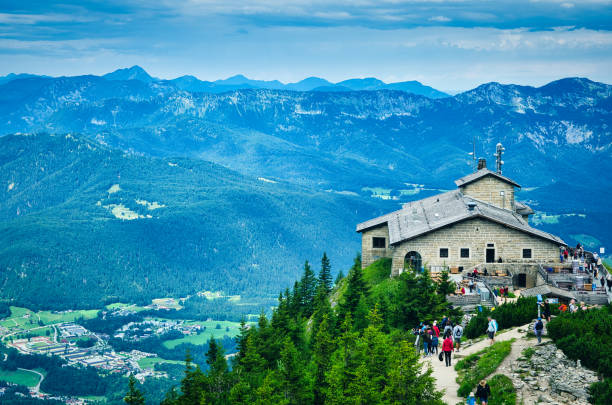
<point>451,45</point>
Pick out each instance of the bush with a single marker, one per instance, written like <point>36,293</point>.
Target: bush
<point>518,313</point>
<point>479,365</point>
<point>502,391</point>
<point>585,335</point>
<point>601,392</point>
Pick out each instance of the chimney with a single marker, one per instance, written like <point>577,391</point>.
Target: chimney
<point>482,163</point>
<point>471,205</point>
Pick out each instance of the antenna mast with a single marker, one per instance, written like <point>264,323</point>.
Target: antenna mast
<point>473,153</point>
<point>499,151</point>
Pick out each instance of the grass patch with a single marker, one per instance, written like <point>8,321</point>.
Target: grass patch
<point>228,328</point>
<point>528,352</point>
<point>150,362</point>
<point>48,317</point>
<point>20,377</point>
<point>502,390</point>
<point>479,365</point>
<point>377,272</point>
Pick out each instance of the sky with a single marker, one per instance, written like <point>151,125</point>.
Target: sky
<point>451,45</point>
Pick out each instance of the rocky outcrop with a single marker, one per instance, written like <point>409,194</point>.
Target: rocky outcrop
<point>547,376</point>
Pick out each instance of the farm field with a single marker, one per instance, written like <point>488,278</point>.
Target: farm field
<point>21,377</point>
<point>225,328</point>
<point>149,362</point>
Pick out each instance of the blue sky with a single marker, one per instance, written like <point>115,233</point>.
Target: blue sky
<point>450,45</point>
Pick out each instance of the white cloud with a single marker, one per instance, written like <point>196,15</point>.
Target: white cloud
<point>567,5</point>
<point>439,18</point>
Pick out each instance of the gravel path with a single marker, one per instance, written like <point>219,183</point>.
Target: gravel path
<point>446,376</point>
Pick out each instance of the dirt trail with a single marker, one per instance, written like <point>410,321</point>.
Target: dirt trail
<point>446,376</point>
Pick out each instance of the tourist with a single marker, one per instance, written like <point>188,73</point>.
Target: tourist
<point>462,290</point>
<point>434,338</point>
<point>426,342</point>
<point>572,306</point>
<point>602,281</point>
<point>444,321</point>
<point>609,282</point>
<point>475,274</point>
<point>447,348</point>
<point>457,333</point>
<point>538,328</point>
<point>485,272</point>
<point>448,329</point>
<point>546,311</point>
<point>565,254</point>
<point>491,329</point>
<point>483,391</point>
<point>471,286</point>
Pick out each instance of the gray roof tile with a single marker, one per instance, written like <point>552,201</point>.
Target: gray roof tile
<point>482,173</point>
<point>423,216</point>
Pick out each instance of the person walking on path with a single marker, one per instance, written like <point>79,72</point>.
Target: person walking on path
<point>538,328</point>
<point>602,281</point>
<point>546,311</point>
<point>457,333</point>
<point>609,282</point>
<point>434,338</point>
<point>447,348</point>
<point>483,391</point>
<point>491,329</point>
<point>426,342</point>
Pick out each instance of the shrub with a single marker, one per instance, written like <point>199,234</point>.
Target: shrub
<point>479,365</point>
<point>502,390</point>
<point>518,313</point>
<point>601,392</point>
<point>585,335</point>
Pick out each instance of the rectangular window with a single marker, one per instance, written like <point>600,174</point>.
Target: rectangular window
<point>443,253</point>
<point>379,243</point>
<point>526,253</point>
<point>490,244</point>
<point>464,253</point>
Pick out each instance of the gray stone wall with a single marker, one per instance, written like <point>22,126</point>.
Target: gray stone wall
<point>474,234</point>
<point>488,189</point>
<point>368,253</point>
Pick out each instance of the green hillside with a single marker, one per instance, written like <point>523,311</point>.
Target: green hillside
<point>83,225</point>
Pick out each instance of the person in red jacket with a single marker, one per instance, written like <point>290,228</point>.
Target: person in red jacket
<point>447,348</point>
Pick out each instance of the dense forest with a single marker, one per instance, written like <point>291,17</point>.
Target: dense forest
<point>76,214</point>
<point>324,344</point>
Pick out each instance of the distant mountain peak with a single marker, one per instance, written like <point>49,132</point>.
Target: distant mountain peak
<point>132,73</point>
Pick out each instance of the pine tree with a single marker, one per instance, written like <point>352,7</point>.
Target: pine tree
<point>217,378</point>
<point>339,277</point>
<point>307,288</point>
<point>325,277</point>
<point>356,291</point>
<point>295,384</point>
<point>193,384</point>
<point>445,285</point>
<point>323,346</point>
<point>134,396</point>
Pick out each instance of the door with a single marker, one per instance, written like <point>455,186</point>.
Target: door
<point>490,255</point>
<point>522,280</point>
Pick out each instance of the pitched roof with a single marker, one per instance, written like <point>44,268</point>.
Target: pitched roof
<point>522,208</point>
<point>480,174</point>
<point>423,216</point>
<point>545,290</point>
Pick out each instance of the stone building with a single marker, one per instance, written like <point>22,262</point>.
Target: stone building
<point>480,222</point>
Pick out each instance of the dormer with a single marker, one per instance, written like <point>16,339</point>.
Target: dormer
<point>489,186</point>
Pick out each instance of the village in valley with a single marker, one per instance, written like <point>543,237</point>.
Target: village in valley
<point>58,333</point>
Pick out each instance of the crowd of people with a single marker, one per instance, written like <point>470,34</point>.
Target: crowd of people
<point>428,338</point>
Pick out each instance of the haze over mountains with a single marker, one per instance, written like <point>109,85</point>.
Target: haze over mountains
<point>193,84</point>
<point>294,170</point>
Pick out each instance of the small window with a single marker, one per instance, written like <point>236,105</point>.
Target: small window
<point>443,252</point>
<point>464,253</point>
<point>526,253</point>
<point>379,243</point>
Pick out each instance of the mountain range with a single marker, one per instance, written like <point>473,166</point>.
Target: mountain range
<point>267,177</point>
<point>193,84</point>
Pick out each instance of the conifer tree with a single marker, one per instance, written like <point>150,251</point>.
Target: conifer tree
<point>445,285</point>
<point>323,346</point>
<point>325,277</point>
<point>134,396</point>
<point>217,379</point>
<point>339,277</point>
<point>193,384</point>
<point>295,383</point>
<point>307,288</point>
